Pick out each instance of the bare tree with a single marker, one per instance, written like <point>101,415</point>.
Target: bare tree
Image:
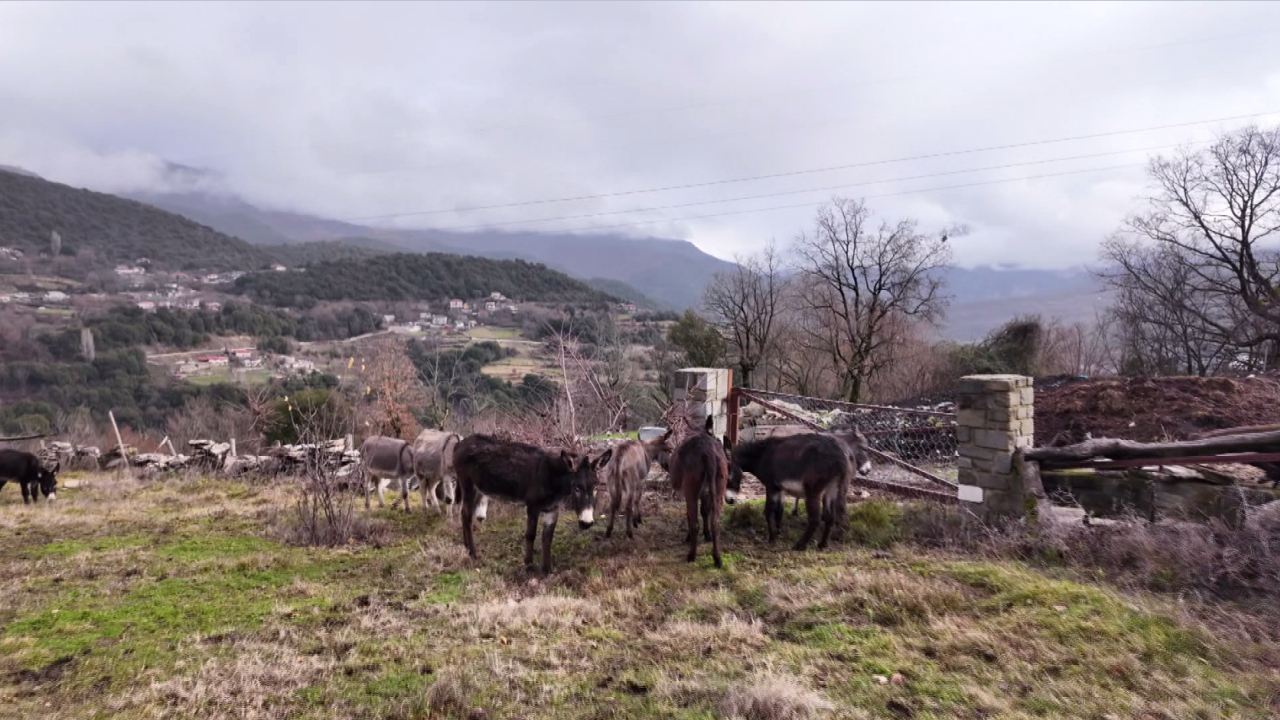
<point>858,278</point>
<point>1198,269</point>
<point>746,303</point>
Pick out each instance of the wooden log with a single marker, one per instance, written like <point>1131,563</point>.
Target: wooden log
<point>124,454</point>
<point>1242,430</point>
<point>18,438</point>
<point>1126,450</point>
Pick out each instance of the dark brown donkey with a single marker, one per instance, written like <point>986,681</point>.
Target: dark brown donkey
<point>539,479</point>
<point>813,465</point>
<point>700,470</point>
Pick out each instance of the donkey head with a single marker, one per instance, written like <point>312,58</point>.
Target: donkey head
<point>734,486</point>
<point>48,480</point>
<point>581,473</point>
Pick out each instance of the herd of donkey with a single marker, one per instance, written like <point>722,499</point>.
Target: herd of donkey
<point>814,466</point>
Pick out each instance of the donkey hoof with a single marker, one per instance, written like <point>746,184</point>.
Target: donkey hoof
<point>691,557</point>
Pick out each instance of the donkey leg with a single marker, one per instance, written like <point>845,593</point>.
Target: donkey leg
<point>23,485</point>
<point>615,502</point>
<point>715,530</point>
<point>773,503</point>
<point>548,530</point>
<point>630,509</point>
<point>404,492</point>
<point>828,517</point>
<point>422,489</point>
<point>812,504</point>
<point>705,502</point>
<point>530,532</point>
<point>469,494</point>
<point>364,480</point>
<point>795,511</point>
<point>691,511</point>
<point>636,497</point>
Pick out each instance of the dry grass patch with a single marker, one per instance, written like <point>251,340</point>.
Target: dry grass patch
<point>730,633</point>
<point>530,614</point>
<point>772,697</point>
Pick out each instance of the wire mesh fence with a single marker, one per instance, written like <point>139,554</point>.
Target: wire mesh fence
<point>914,447</point>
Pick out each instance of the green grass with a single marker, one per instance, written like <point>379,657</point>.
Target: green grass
<point>174,598</point>
<point>485,332</point>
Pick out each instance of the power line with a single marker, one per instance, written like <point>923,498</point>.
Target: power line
<point>867,197</point>
<point>810,171</point>
<point>810,190</point>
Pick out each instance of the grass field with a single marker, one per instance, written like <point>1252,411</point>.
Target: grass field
<point>175,599</point>
<point>493,333</point>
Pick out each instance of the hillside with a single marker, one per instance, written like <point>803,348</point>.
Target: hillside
<point>404,276</point>
<point>625,292</point>
<point>114,229</point>
<point>671,272</point>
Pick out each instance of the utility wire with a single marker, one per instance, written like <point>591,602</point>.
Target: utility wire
<point>868,197</point>
<point>811,171</point>
<point>810,190</point>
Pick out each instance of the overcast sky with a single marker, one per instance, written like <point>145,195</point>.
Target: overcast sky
<point>360,110</point>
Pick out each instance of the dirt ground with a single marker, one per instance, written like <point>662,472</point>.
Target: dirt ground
<point>1151,409</point>
<point>177,599</point>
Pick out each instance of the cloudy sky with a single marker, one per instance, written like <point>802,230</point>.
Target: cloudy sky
<point>724,124</point>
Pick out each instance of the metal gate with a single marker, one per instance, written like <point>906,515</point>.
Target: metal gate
<point>914,451</point>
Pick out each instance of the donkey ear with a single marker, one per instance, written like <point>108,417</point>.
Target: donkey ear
<point>603,459</point>
<point>571,460</point>
<point>711,423</point>
<point>727,445</point>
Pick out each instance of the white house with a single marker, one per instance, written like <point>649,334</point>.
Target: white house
<point>6,298</point>
<point>242,353</point>
<point>213,306</point>
<point>439,320</point>
<point>147,305</point>
<point>279,268</point>
<point>456,304</point>
<point>497,296</point>
<point>490,306</point>
<point>214,360</point>
<point>124,270</point>
<point>56,296</point>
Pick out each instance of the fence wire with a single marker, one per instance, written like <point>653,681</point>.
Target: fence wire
<point>916,446</point>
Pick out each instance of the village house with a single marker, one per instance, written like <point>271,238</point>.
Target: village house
<point>214,360</point>
<point>439,320</point>
<point>214,306</point>
<point>6,298</point>
<point>491,306</point>
<point>147,305</point>
<point>278,267</point>
<point>497,296</point>
<point>56,296</point>
<point>456,304</point>
<point>187,368</point>
<point>242,353</point>
<point>126,270</point>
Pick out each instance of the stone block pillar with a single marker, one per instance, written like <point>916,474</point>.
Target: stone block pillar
<point>706,392</point>
<point>996,418</point>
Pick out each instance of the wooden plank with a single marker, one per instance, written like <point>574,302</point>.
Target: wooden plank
<point>843,404</point>
<point>18,438</point>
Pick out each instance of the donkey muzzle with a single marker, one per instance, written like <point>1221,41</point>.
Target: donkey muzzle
<point>730,497</point>
<point>587,518</point>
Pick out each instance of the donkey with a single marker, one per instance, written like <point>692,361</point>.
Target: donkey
<point>383,460</point>
<point>813,465</point>
<point>855,442</point>
<point>625,476</point>
<point>700,470</point>
<point>433,464</point>
<point>30,474</point>
<point>539,479</point>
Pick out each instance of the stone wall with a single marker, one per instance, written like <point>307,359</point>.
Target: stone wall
<point>996,418</point>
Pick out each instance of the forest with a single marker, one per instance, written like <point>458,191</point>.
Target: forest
<point>431,277</point>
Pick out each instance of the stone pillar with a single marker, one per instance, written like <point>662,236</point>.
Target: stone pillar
<point>706,391</point>
<point>996,418</point>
